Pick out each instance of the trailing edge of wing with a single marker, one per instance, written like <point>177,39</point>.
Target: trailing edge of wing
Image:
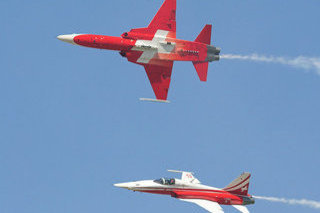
<point>165,19</point>
<point>159,77</point>
<point>210,206</point>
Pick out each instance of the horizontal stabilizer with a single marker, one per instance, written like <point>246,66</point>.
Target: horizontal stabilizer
<point>202,69</point>
<point>154,100</point>
<point>205,35</point>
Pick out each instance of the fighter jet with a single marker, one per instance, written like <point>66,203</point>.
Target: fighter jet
<point>189,189</point>
<point>156,48</point>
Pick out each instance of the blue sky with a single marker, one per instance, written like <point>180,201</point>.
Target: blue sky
<point>71,123</point>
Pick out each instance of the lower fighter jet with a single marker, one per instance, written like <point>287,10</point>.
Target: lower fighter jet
<point>189,189</point>
<point>156,48</point>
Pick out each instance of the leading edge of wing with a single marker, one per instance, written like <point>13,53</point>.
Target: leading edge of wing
<point>210,206</point>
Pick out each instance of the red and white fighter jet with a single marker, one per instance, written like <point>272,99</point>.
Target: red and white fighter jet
<point>189,189</point>
<point>156,48</point>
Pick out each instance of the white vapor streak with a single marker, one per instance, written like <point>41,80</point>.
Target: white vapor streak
<point>310,203</point>
<point>307,63</point>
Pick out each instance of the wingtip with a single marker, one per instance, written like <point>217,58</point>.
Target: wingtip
<point>154,100</point>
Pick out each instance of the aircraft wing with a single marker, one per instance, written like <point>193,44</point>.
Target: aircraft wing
<point>159,76</point>
<point>158,71</point>
<point>242,209</point>
<point>165,19</point>
<point>186,176</point>
<point>210,206</point>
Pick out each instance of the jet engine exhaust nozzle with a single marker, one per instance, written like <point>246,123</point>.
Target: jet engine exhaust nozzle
<point>213,53</point>
<point>212,57</point>
<point>218,50</point>
<point>248,200</point>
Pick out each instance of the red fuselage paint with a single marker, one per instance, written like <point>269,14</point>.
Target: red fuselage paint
<point>182,51</point>
<point>104,42</point>
<point>219,196</point>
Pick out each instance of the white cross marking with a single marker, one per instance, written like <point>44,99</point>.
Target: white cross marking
<point>156,45</point>
<point>244,188</point>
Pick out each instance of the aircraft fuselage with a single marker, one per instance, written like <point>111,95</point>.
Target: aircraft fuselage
<point>183,190</point>
<point>157,47</point>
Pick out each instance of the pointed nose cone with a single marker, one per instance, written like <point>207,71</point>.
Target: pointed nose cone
<point>122,185</point>
<point>67,38</point>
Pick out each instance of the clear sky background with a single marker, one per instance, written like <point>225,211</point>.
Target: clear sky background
<point>71,123</point>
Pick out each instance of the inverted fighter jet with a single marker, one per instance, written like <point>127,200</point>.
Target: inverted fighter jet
<point>156,48</point>
<point>189,189</point>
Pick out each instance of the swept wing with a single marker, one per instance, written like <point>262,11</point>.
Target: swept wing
<point>210,206</point>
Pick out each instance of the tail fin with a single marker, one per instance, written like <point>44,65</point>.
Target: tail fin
<point>202,69</point>
<point>239,186</point>
<point>205,35</point>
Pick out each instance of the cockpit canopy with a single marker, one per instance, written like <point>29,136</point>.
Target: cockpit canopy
<point>165,181</point>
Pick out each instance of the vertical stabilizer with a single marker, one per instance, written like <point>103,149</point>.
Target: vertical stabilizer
<point>239,186</point>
